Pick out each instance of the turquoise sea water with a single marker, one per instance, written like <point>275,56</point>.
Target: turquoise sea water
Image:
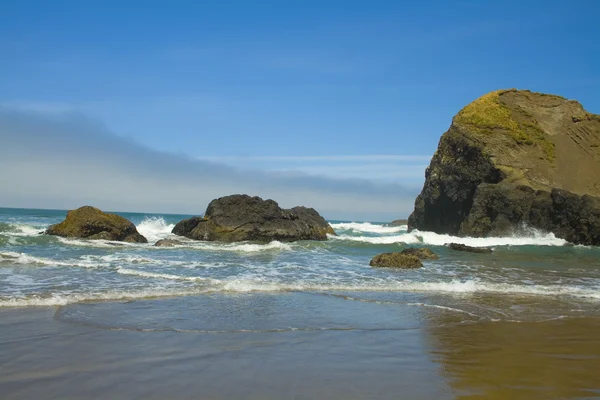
<point>531,268</point>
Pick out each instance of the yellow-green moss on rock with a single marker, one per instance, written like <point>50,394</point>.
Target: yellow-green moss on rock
<point>91,223</point>
<point>488,115</point>
<point>396,260</point>
<point>514,158</point>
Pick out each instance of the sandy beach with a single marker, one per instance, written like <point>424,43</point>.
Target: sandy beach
<point>253,346</point>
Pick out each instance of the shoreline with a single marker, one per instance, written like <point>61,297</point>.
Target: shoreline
<point>43,353</point>
<point>233,347</point>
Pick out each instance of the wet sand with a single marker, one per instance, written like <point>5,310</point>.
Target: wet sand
<point>557,359</point>
<point>289,346</point>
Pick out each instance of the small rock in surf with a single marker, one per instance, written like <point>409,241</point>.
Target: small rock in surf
<point>471,249</point>
<point>396,260</point>
<point>168,243</point>
<point>422,253</point>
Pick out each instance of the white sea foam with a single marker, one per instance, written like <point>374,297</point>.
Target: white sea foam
<point>257,284</point>
<point>119,258</point>
<point>475,286</point>
<point>122,258</point>
<point>534,237</point>
<point>27,230</point>
<point>241,247</point>
<point>154,275</point>
<point>71,298</point>
<point>23,258</point>
<point>245,285</point>
<point>230,247</point>
<point>367,227</point>
<point>452,287</point>
<point>97,243</point>
<point>154,229</point>
<point>186,244</point>
<point>22,230</point>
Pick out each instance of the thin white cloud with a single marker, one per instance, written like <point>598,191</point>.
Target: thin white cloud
<point>335,158</point>
<point>398,168</point>
<point>373,172</point>
<point>67,161</point>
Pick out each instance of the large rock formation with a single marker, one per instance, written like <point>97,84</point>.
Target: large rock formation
<point>240,217</point>
<point>91,223</point>
<point>511,158</point>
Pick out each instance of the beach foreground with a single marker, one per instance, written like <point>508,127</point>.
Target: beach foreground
<point>289,346</point>
<point>303,320</point>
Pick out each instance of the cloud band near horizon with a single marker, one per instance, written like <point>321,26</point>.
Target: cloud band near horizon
<point>67,160</point>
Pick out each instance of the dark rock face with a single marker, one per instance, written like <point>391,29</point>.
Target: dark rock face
<point>167,243</point>
<point>515,158</point>
<point>91,223</point>
<point>470,249</point>
<point>455,171</point>
<point>398,222</point>
<point>498,209</point>
<point>422,253</point>
<point>396,260</point>
<point>240,217</point>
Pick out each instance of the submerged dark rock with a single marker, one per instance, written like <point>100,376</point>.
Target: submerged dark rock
<point>168,243</point>
<point>470,249</point>
<point>241,217</point>
<point>422,253</point>
<point>396,260</point>
<point>514,158</point>
<point>91,223</point>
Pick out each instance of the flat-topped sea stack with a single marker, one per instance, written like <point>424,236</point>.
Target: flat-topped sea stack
<point>238,218</point>
<point>91,223</point>
<point>513,158</point>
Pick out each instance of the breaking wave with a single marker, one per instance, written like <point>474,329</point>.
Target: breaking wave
<point>453,287</point>
<point>534,237</point>
<point>367,227</point>
<point>154,275</point>
<point>20,229</point>
<point>245,285</point>
<point>186,244</point>
<point>11,257</point>
<point>154,228</point>
<point>72,298</point>
<point>245,247</point>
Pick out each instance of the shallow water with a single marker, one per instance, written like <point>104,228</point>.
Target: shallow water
<point>294,320</point>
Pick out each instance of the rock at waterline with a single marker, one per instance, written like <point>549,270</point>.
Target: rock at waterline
<point>168,243</point>
<point>471,249</point>
<point>422,253</point>
<point>396,260</point>
<point>91,223</point>
<point>398,222</point>
<point>514,157</point>
<point>239,217</point>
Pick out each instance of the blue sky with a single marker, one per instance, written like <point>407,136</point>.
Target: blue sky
<point>354,92</point>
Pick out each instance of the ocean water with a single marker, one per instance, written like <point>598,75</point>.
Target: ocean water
<point>535,288</point>
<point>41,270</point>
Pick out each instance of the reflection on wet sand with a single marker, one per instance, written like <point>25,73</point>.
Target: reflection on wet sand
<point>527,360</point>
